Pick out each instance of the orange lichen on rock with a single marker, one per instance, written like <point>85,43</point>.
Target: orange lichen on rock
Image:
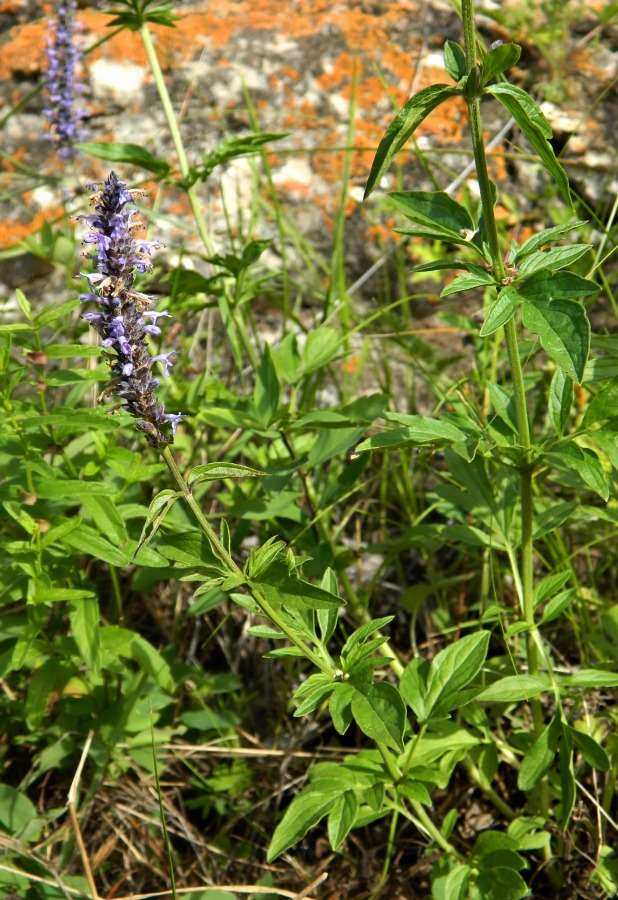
<point>12,232</point>
<point>22,54</point>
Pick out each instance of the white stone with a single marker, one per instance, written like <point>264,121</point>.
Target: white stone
<point>122,80</point>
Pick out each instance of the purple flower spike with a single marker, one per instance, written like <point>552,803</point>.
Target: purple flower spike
<point>63,116</point>
<point>120,320</point>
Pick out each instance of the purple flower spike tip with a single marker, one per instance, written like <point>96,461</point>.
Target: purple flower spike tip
<point>120,321</point>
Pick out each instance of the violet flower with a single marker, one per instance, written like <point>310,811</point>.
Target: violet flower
<point>63,115</point>
<point>120,321</point>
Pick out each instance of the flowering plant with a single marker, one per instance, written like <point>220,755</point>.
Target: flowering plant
<point>121,319</point>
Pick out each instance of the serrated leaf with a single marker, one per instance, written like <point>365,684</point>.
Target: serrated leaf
<point>535,127</point>
<point>544,237</point>
<point>553,259</point>
<point>501,310</point>
<point>403,127</point>
<point>379,712</point>
<point>564,331</point>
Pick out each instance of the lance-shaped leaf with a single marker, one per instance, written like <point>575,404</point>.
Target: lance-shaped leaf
<point>535,127</point>
<point>564,330</point>
<point>437,212</point>
<point>501,310</point>
<point>126,153</point>
<point>403,127</point>
<point>544,237</point>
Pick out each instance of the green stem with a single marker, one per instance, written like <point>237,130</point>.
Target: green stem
<point>219,548</point>
<point>510,332</point>
<point>228,311</point>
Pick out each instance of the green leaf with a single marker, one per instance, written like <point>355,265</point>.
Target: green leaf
<point>513,688</point>
<point>452,669</point>
<point>556,606</point>
<point>501,883</point>
<point>564,330</point>
<point>73,489</point>
<point>501,310</point>
<point>560,401</point>
<point>454,886</point>
<point>16,810</point>
<point>548,586</point>
<point>84,618</point>
<point>584,462</point>
<point>136,14</point>
<point>454,60</point>
<point>53,311</point>
<point>545,237</point>
<point>104,513</point>
<point>118,641</point>
<point>498,60</point>
<point>553,259</point>
<point>592,752</point>
<point>189,549</point>
<point>266,392</point>
<point>305,811</point>
<point>282,587</point>
<point>341,818</point>
<point>133,154</point>
<point>403,127</point>
<point>435,210</point>
<point>536,128</point>
<point>218,471</point>
<point>540,756</point>
<point>568,791</point>
<point>553,517</point>
<point>466,281</point>
<point>604,404</point>
<point>544,285</point>
<point>418,430</point>
<point>590,678</point>
<point>361,634</point>
<point>340,706</point>
<point>413,686</point>
<point>379,712</point>
<point>157,511</point>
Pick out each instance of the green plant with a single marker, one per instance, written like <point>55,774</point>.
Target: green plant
<point>505,489</point>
